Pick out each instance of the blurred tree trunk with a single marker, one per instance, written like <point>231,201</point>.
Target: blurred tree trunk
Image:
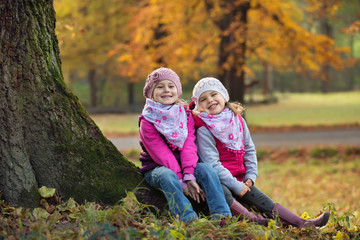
<point>268,80</point>
<point>131,96</point>
<point>351,70</point>
<point>326,29</point>
<point>46,136</point>
<point>93,86</point>
<point>232,50</point>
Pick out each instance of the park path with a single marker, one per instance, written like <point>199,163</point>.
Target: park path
<point>287,139</point>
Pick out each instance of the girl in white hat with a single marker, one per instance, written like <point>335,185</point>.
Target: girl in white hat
<point>224,141</point>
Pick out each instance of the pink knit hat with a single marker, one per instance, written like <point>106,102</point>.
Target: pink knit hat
<point>159,75</point>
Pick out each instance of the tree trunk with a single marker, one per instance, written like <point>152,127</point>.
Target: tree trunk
<point>93,87</point>
<point>351,70</point>
<point>327,30</point>
<point>232,50</point>
<point>267,80</point>
<point>46,136</point>
<point>131,96</point>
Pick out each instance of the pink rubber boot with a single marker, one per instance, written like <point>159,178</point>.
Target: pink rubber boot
<point>292,219</point>
<point>239,210</point>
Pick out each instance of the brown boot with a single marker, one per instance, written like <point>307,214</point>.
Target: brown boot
<point>239,210</point>
<point>292,219</point>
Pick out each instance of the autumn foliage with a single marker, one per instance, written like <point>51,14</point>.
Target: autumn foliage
<point>229,39</point>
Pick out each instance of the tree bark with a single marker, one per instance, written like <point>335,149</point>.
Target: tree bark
<point>351,71</point>
<point>267,80</point>
<point>327,30</point>
<point>232,50</point>
<point>131,96</point>
<point>93,86</point>
<point>46,136</point>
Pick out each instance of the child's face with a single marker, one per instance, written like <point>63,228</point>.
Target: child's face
<point>165,92</point>
<point>211,102</point>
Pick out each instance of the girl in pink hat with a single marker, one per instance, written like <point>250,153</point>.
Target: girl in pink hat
<point>224,141</point>
<point>169,154</point>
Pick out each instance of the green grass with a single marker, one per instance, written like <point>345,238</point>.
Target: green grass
<point>117,123</point>
<point>308,185</point>
<point>305,109</point>
<point>304,179</point>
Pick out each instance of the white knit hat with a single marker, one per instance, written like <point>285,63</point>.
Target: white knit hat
<point>208,84</point>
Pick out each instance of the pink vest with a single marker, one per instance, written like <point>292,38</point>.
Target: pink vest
<point>232,160</point>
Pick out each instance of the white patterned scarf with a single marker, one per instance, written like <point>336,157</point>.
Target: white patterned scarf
<point>226,127</point>
<point>169,120</point>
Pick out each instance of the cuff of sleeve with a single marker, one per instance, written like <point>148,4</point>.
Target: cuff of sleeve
<point>251,177</point>
<point>189,177</point>
<point>238,188</point>
<point>183,185</point>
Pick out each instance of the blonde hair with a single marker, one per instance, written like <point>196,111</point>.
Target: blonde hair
<point>236,107</point>
<point>183,102</point>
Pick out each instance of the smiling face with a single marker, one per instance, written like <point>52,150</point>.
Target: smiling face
<point>211,102</point>
<point>165,92</point>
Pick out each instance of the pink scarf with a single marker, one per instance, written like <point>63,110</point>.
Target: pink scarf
<point>226,127</point>
<point>169,120</point>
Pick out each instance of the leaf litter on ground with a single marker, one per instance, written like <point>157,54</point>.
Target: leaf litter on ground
<point>130,219</point>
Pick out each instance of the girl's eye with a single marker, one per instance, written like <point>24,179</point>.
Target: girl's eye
<point>202,99</point>
<point>171,86</point>
<point>214,94</point>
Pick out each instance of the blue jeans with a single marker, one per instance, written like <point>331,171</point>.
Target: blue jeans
<point>206,176</point>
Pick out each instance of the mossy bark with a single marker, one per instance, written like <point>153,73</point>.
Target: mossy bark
<point>47,138</point>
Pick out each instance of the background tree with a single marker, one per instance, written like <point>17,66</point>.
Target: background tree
<point>324,11</point>
<point>47,138</point>
<point>230,39</point>
<point>167,33</point>
<point>348,32</point>
<point>88,30</point>
<point>231,18</point>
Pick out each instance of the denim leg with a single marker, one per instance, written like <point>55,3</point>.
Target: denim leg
<point>208,180</point>
<point>259,200</point>
<point>168,182</point>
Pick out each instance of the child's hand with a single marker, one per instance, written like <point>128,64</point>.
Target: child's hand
<point>249,183</point>
<point>245,190</point>
<point>186,191</point>
<point>195,191</point>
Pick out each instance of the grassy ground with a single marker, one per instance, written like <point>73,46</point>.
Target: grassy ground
<point>308,185</point>
<point>303,184</point>
<point>119,124</point>
<point>307,109</point>
<point>306,179</point>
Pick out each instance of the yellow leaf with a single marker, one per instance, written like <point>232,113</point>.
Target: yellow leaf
<point>305,215</point>
<point>340,236</point>
<point>40,213</point>
<point>68,27</point>
<point>69,205</point>
<point>46,192</point>
<point>176,234</point>
<point>125,58</point>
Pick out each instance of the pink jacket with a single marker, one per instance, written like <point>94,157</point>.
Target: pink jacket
<point>162,155</point>
<point>231,160</point>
